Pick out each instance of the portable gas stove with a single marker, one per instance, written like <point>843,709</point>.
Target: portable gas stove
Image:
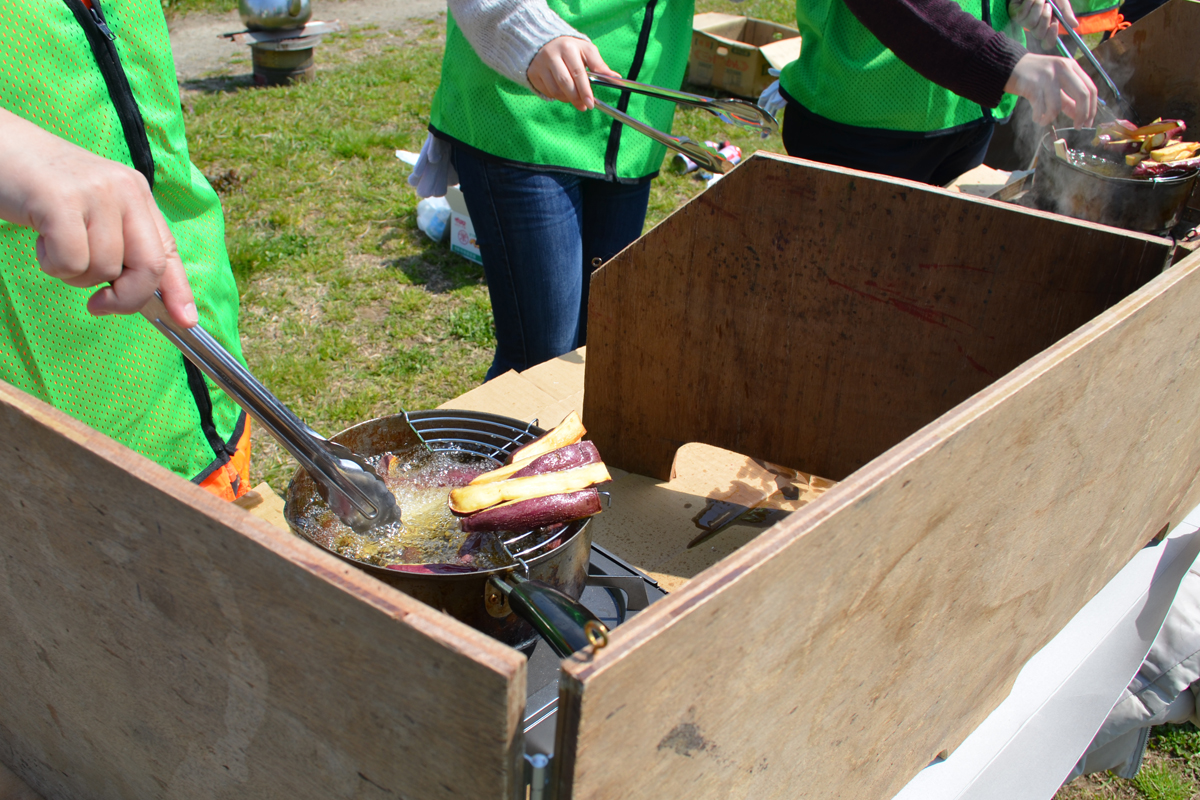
<point>615,591</point>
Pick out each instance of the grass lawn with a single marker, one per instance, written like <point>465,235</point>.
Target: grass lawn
<point>349,312</point>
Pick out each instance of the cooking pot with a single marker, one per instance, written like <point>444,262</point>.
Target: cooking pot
<point>537,595</point>
<point>1139,204</point>
<point>272,15</point>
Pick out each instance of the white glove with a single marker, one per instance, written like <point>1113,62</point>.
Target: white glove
<point>771,100</point>
<point>433,171</point>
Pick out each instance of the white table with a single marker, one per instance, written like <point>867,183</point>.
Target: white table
<point>1028,745</point>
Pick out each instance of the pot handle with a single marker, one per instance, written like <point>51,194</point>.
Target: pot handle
<point>565,624</point>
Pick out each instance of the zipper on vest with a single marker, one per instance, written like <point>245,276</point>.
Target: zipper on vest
<point>101,24</point>
<point>101,37</point>
<point>985,14</point>
<point>639,56</point>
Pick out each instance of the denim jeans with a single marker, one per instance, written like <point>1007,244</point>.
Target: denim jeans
<point>539,233</point>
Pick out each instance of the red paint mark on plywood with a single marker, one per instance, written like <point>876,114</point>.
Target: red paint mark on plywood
<point>930,315</point>
<point>979,367</point>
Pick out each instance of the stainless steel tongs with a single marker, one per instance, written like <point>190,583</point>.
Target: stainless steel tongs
<point>344,480</point>
<point>734,112</point>
<point>1122,104</point>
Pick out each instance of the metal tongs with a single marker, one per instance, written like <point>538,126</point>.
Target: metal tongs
<point>351,487</point>
<point>733,112</point>
<point>1122,103</point>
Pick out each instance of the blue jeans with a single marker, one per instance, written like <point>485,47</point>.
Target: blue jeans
<point>539,234</point>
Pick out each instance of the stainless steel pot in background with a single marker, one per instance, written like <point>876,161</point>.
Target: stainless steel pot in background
<point>273,15</point>
<point>1138,204</point>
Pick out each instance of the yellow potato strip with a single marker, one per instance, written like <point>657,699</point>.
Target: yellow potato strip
<point>472,498</point>
<point>569,431</point>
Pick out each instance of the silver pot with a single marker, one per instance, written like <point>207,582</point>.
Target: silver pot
<point>511,604</point>
<point>273,15</point>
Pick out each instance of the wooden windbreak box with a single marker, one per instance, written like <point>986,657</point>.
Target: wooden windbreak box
<point>1006,397</point>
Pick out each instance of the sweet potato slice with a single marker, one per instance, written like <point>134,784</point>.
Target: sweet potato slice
<point>1170,169</point>
<point>1175,151</point>
<point>572,456</point>
<point>1165,126</point>
<point>537,512</point>
<point>476,497</point>
<point>569,431</point>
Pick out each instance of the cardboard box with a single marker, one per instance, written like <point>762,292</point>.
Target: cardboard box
<point>733,53</point>
<point>462,232</point>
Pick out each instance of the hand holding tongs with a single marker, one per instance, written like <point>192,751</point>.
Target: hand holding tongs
<point>733,112</point>
<point>345,481</point>
<point>1122,104</point>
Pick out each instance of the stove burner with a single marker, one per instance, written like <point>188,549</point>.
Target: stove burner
<point>615,591</point>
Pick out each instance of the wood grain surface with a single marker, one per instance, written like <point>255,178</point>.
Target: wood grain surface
<point>1155,63</point>
<point>814,316</point>
<point>156,642</point>
<point>839,652</point>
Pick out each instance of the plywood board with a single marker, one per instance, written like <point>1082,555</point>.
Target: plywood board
<point>820,327</point>
<point>1155,63</point>
<point>157,642</point>
<point>876,628</point>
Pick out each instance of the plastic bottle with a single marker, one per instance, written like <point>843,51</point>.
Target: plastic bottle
<point>433,217</point>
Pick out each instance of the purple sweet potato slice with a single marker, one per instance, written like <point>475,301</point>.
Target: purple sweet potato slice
<point>575,455</point>
<point>1155,169</point>
<point>522,515</point>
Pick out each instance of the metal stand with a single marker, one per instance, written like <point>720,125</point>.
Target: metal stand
<point>284,57</point>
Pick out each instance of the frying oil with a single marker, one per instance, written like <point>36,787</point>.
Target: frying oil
<point>428,533</point>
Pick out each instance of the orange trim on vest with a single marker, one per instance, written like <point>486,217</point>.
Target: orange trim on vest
<point>1109,21</point>
<point>87,3</point>
<point>232,480</point>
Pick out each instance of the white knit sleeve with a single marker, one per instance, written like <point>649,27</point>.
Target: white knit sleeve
<point>507,34</point>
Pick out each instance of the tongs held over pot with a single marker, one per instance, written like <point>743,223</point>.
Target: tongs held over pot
<point>1122,103</point>
<point>733,112</point>
<point>353,490</point>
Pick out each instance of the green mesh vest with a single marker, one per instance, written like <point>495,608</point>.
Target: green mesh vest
<point>116,373</point>
<point>644,40</point>
<point>845,74</point>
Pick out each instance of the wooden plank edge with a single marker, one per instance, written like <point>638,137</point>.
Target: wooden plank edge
<point>566,735</point>
<point>739,566</point>
<point>444,629</point>
<point>962,196</point>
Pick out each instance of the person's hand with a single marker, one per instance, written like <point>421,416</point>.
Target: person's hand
<point>96,219</point>
<point>1037,18</point>
<point>559,71</point>
<point>1052,85</point>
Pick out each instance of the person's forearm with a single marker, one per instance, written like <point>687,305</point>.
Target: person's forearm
<point>507,34</point>
<point>944,44</point>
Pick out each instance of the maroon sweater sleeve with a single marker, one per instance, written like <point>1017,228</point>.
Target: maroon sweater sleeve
<point>944,44</point>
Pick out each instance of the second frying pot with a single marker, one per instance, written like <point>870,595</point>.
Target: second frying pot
<point>1138,204</point>
<point>487,600</point>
